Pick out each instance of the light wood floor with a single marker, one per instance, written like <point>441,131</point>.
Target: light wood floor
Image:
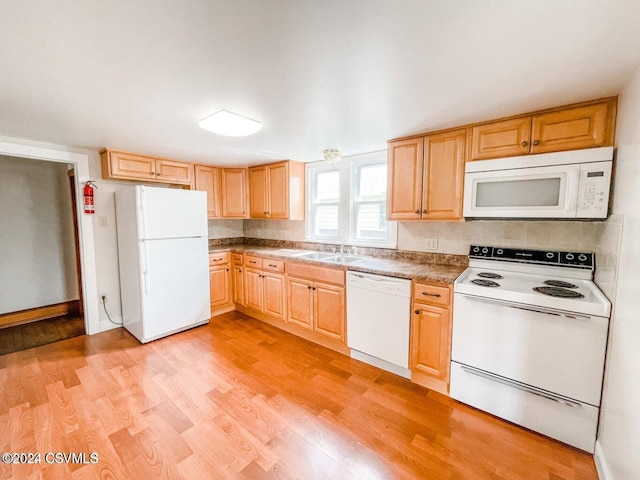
<point>238,399</point>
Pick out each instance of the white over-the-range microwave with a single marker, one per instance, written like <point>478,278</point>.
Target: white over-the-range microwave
<point>573,184</point>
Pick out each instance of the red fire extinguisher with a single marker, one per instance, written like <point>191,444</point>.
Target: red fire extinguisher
<point>89,206</point>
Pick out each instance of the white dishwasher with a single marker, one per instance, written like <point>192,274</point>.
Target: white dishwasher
<point>378,317</point>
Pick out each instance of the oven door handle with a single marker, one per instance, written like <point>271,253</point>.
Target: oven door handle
<point>505,303</point>
<point>519,386</point>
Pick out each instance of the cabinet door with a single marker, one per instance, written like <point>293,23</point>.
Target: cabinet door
<point>300,302</point>
<point>233,192</point>
<point>444,156</point>
<point>206,179</point>
<point>170,171</point>
<point>506,138</point>
<point>405,163</point>
<point>274,295</point>
<point>220,285</point>
<point>258,192</point>
<point>130,166</point>
<point>574,128</point>
<point>238,284</point>
<point>278,181</point>
<point>328,315</point>
<point>431,341</point>
<point>253,289</point>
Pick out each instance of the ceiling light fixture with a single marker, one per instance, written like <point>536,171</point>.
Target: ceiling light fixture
<point>230,124</point>
<point>332,155</point>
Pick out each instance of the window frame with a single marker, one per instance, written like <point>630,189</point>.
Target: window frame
<point>346,214</point>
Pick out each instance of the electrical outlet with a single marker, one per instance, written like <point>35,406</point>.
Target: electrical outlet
<point>102,222</point>
<point>431,243</point>
<point>101,296</point>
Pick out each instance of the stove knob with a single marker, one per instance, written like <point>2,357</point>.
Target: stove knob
<point>569,256</point>
<point>549,254</point>
<point>582,257</point>
<point>476,249</point>
<point>500,251</point>
<point>485,250</point>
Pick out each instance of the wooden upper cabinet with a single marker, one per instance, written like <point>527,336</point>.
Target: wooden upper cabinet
<point>277,191</point>
<point>426,176</point>
<point>171,171</point>
<point>444,156</point>
<point>587,125</point>
<point>574,128</point>
<point>132,166</point>
<point>207,180</point>
<point>507,138</point>
<point>404,191</point>
<point>258,192</point>
<point>233,193</point>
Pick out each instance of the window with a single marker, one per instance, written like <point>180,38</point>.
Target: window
<point>347,203</point>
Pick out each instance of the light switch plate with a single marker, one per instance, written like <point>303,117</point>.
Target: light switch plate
<point>431,243</point>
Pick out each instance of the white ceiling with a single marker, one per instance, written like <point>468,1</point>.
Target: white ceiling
<point>137,75</point>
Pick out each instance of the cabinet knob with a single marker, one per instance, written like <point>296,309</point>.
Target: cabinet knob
<point>227,269</point>
<point>153,173</point>
<point>309,287</point>
<point>313,288</point>
<point>417,211</point>
<point>417,312</point>
<point>424,211</point>
<point>536,142</point>
<point>524,143</point>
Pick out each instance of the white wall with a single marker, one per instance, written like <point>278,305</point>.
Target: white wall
<point>37,248</point>
<point>618,445</point>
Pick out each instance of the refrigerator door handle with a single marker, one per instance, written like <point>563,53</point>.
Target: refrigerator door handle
<point>147,281</point>
<point>140,194</point>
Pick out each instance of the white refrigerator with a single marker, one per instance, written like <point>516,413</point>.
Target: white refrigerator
<point>164,260</point>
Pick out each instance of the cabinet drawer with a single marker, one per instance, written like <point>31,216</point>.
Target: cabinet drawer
<point>323,274</point>
<point>271,265</point>
<point>236,258</point>
<point>218,258</point>
<point>252,261</point>
<point>432,294</point>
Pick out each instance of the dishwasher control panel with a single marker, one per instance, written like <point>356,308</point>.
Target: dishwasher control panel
<point>379,283</point>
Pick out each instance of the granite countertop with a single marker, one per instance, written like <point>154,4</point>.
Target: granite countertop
<point>401,268</point>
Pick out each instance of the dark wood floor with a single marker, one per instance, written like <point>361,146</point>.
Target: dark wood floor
<point>42,332</point>
<point>238,399</point>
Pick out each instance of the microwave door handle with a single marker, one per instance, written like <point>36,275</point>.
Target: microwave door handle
<point>572,188</point>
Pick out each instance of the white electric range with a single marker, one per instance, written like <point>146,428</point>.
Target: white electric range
<point>529,339</point>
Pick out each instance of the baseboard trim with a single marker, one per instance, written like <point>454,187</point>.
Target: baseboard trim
<point>39,313</point>
<point>602,466</point>
<point>106,325</point>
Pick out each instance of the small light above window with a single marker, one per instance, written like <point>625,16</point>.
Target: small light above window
<point>230,124</point>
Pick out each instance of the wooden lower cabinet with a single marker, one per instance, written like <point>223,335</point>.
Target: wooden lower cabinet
<point>274,295</point>
<point>300,302</point>
<point>328,315</point>
<point>316,303</point>
<point>253,288</point>
<point>220,291</point>
<point>237,274</point>
<point>430,339</point>
<point>265,292</point>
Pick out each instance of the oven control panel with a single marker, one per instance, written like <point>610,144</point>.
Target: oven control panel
<point>544,257</point>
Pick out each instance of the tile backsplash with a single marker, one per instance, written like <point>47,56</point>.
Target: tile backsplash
<point>603,238</point>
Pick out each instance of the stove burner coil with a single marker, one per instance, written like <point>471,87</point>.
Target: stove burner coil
<point>485,283</point>
<point>490,275</point>
<point>559,283</point>
<point>558,292</point>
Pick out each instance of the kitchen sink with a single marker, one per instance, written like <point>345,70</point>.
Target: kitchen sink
<point>344,259</point>
<point>314,255</point>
